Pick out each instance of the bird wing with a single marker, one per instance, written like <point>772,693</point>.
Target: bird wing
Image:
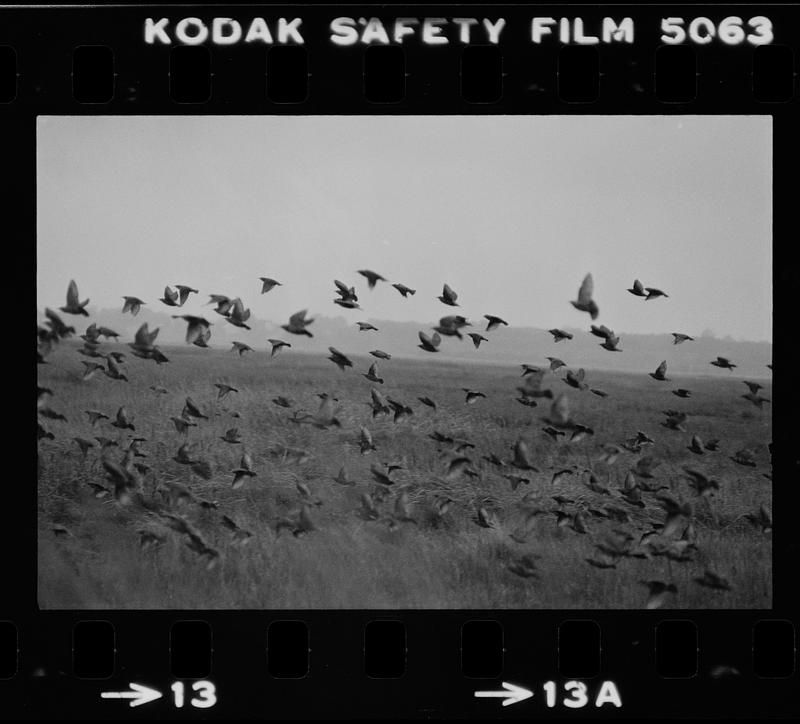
<point>449,293</point>
<point>298,318</point>
<point>72,294</point>
<point>661,370</point>
<point>586,290</point>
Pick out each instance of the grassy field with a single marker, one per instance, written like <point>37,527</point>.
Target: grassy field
<point>439,561</point>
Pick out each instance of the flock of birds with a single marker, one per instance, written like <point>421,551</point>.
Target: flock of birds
<point>649,520</point>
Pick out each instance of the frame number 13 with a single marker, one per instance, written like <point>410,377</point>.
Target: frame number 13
<point>205,694</point>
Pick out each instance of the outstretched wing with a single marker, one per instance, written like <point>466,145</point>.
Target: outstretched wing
<point>587,290</point>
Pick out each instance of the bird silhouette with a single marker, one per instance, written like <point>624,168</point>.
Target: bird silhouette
<point>494,322</point>
<point>477,339</point>
<point>297,324</point>
<point>366,327</point>
<point>560,335</point>
<point>380,354</point>
<point>339,359</point>
<point>448,296</point>
<point>196,327</point>
<point>268,284</point>
<point>241,348</point>
<point>132,305</point>
<point>170,297</point>
<point>660,372</point>
<point>637,289</point>
<point>372,374</point>
<point>404,290</point>
<point>653,293</point>
<point>681,338</point>
<point>372,277</point>
<point>74,305</point>
<point>585,301</point>
<point>429,344</point>
<point>724,363</point>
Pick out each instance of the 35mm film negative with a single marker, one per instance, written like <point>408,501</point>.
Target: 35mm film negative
<point>401,361</point>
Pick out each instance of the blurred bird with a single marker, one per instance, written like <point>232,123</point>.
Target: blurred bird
<point>380,354</point>
<point>372,374</point>
<point>700,483</point>
<point>560,335</point>
<point>556,363</point>
<point>757,400</point>
<point>190,409</point>
<point>404,290</point>
<point>366,327</point>
<point>522,456</point>
<point>745,457</point>
<point>243,472</point>
<point>524,566</point>
<point>132,305</point>
<point>268,284</point>
<point>241,348</point>
<point>585,302</point>
<point>342,478</point>
<point>184,292</point>
<point>84,444</point>
<point>724,363</point>
<point>472,396</point>
<point>712,445</point>
<point>575,379</point>
<point>477,339</point>
<point>232,436</point>
<point>680,338</point>
<point>653,293</point>
<point>277,346</point>
<point>657,592</point>
<point>429,344</point>
<point>122,422</point>
<point>762,519</point>
<point>637,289</point>
<point>170,298</point>
<point>224,390</point>
<point>696,445</point>
<point>74,305</point>
<point>365,443</point>
<point>340,360</point>
<point>427,401</point>
<point>95,416</point>
<point>196,327</point>
<point>372,277</point>
<point>599,393</point>
<point>448,296</point>
<point>238,314</point>
<point>681,392</point>
<point>661,372</point>
<point>297,324</point>
<point>494,322</point>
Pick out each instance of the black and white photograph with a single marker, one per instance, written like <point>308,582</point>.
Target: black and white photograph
<point>404,362</point>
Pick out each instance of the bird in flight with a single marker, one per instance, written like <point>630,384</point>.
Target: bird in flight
<point>297,324</point>
<point>448,296</point>
<point>477,339</point>
<point>339,359</point>
<point>560,335</point>
<point>372,277</point>
<point>404,290</point>
<point>585,301</point>
<point>661,372</point>
<point>170,297</point>
<point>723,363</point>
<point>74,305</point>
<point>653,293</point>
<point>132,305</point>
<point>241,348</point>
<point>494,322</point>
<point>366,327</point>
<point>268,284</point>
<point>197,328</point>
<point>429,344</point>
<point>372,374</point>
<point>637,289</point>
<point>680,338</point>
<point>277,346</point>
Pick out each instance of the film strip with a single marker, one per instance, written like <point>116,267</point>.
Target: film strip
<point>448,542</point>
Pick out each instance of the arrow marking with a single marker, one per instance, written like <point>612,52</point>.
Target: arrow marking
<point>138,695</point>
<point>511,694</point>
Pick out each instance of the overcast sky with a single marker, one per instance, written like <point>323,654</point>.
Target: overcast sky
<point>511,211</point>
